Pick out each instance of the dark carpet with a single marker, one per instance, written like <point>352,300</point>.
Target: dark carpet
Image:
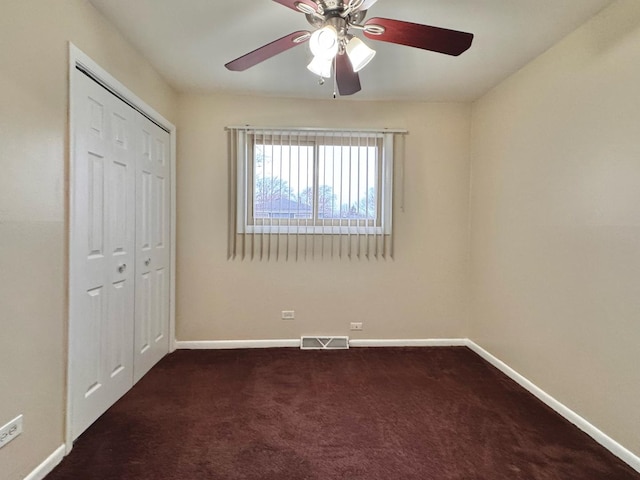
<point>374,414</point>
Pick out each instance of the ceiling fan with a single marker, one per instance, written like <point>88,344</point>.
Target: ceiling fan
<point>335,49</point>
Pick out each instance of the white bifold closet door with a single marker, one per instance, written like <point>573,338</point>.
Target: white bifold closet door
<point>153,204</point>
<point>120,252</point>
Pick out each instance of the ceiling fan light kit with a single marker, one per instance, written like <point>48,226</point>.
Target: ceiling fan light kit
<point>333,46</point>
<point>359,54</point>
<point>324,42</point>
<point>321,66</point>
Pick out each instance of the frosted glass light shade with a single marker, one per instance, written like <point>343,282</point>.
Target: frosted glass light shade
<point>359,54</point>
<point>324,42</point>
<point>321,66</point>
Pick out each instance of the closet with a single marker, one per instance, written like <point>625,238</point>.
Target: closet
<point>120,255</point>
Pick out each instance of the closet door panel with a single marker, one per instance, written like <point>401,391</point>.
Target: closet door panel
<point>102,260</point>
<point>152,246</point>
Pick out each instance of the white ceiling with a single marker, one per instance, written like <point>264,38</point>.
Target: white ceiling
<point>189,41</point>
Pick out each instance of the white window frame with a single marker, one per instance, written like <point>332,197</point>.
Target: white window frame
<point>244,191</point>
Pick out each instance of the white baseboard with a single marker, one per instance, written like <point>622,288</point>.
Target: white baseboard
<point>295,343</point>
<point>48,465</point>
<point>429,342</point>
<point>233,344</point>
<point>598,435</point>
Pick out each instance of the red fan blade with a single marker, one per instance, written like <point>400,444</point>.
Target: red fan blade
<point>267,51</point>
<point>348,81</point>
<point>442,40</point>
<point>292,4</point>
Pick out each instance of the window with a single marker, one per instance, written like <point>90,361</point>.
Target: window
<point>310,192</point>
<point>304,182</point>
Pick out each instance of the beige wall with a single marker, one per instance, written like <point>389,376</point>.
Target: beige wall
<point>556,266</point>
<point>556,222</point>
<point>420,294</point>
<point>33,162</point>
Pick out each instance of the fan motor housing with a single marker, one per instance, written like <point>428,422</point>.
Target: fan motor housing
<point>332,5</point>
<point>334,17</point>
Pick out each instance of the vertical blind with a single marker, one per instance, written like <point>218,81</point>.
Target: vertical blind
<point>311,193</point>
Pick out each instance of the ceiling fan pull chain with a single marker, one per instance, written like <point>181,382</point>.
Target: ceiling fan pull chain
<point>335,77</point>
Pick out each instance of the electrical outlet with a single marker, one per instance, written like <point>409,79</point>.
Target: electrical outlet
<point>288,315</point>
<point>10,431</point>
<point>356,326</point>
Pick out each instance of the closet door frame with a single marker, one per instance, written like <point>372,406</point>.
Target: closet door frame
<point>77,58</point>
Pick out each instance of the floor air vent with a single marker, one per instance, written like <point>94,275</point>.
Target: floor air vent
<point>324,343</point>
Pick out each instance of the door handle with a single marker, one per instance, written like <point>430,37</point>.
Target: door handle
<point>147,262</point>
<point>122,268</point>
